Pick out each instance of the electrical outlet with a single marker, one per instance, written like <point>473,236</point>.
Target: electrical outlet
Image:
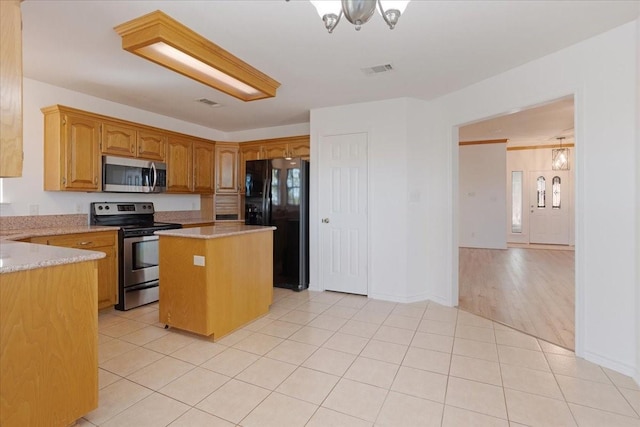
<point>198,260</point>
<point>34,209</point>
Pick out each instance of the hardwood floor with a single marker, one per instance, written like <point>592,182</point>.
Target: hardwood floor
<point>528,289</point>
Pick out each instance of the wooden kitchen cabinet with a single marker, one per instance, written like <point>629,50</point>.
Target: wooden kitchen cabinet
<point>126,141</point>
<point>179,165</point>
<point>226,168</point>
<point>118,140</point>
<point>276,148</point>
<point>49,345</point>
<point>226,292</point>
<point>11,89</point>
<point>71,150</point>
<point>275,151</point>
<point>102,241</point>
<point>151,145</point>
<point>203,167</point>
<point>248,152</point>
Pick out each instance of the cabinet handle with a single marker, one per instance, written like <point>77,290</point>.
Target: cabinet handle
<point>95,180</point>
<point>84,243</point>
<point>64,181</point>
<point>218,187</point>
<point>132,148</point>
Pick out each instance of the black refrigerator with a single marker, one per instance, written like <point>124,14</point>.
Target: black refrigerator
<point>277,194</point>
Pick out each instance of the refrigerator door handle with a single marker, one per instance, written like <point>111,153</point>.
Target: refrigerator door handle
<point>267,200</point>
<point>264,202</point>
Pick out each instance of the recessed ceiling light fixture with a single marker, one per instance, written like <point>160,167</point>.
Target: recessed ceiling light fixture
<point>165,41</point>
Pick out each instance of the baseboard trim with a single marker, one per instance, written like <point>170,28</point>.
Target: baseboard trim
<point>614,365</point>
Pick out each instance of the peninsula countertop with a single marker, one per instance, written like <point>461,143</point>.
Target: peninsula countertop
<point>215,231</point>
<point>18,256</point>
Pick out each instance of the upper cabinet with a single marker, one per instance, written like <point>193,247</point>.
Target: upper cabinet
<point>226,168</point>
<point>179,165</point>
<point>127,141</point>
<point>292,146</point>
<point>203,165</point>
<point>151,145</point>
<point>10,89</point>
<point>76,140</point>
<point>118,140</point>
<point>71,151</point>
<point>190,165</point>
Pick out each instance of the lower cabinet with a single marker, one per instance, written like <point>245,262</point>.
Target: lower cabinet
<point>48,345</point>
<point>101,241</point>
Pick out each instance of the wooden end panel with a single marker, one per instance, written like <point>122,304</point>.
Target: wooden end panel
<point>183,285</point>
<point>48,345</point>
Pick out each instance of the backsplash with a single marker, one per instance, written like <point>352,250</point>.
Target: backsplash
<point>74,220</point>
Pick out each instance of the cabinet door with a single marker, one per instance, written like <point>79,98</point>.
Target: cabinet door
<point>108,278</point>
<point>118,140</point>
<point>151,145</point>
<point>247,154</point>
<point>11,83</point>
<point>299,149</point>
<point>203,159</point>
<point>226,168</point>
<point>179,166</point>
<point>275,151</point>
<point>82,154</point>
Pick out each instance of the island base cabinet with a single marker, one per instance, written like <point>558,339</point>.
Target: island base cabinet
<point>48,345</point>
<point>232,288</point>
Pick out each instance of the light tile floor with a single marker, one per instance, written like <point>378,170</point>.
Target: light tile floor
<point>331,359</point>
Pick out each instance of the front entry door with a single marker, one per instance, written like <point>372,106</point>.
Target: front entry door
<point>549,207</point>
<point>343,212</point>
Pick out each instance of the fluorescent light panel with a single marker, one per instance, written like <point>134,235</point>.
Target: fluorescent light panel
<point>165,41</point>
<point>163,53</point>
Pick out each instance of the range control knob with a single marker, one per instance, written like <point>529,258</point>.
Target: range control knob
<point>107,207</point>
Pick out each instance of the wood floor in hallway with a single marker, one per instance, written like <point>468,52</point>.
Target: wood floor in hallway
<point>528,289</point>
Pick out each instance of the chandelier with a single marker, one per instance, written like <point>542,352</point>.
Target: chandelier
<point>560,157</point>
<point>358,12</point>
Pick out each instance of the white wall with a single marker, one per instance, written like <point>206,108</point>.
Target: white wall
<point>601,73</point>
<point>637,170</point>
<point>482,190</point>
<point>537,160</point>
<point>267,133</point>
<point>385,123</point>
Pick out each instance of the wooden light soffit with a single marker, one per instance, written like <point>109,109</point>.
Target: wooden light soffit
<point>157,28</point>
<point>539,147</point>
<point>484,141</point>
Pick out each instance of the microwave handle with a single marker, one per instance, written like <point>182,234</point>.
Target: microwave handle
<point>155,177</point>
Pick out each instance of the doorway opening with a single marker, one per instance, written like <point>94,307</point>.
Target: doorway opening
<point>516,220</point>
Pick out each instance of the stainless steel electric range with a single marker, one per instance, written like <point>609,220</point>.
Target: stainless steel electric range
<point>137,249</point>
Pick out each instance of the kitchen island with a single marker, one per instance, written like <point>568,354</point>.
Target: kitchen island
<point>215,279</point>
<point>48,334</point>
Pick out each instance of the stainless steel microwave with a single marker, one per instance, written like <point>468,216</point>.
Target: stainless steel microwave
<point>125,175</point>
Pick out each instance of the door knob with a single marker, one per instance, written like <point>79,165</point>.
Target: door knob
<point>325,220</point>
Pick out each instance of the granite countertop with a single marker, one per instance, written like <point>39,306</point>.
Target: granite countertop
<point>18,256</point>
<point>216,231</point>
<point>19,234</point>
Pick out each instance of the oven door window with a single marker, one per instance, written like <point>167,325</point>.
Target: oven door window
<point>144,254</point>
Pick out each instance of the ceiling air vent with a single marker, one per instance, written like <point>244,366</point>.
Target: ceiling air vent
<point>377,69</point>
<point>209,102</point>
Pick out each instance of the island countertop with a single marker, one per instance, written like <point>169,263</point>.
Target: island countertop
<point>18,256</point>
<point>215,231</point>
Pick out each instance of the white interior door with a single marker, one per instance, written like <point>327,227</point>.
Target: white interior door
<point>343,212</point>
<point>549,207</point>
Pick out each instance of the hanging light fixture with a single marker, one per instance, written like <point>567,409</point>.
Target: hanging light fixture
<point>560,157</point>
<point>358,12</point>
